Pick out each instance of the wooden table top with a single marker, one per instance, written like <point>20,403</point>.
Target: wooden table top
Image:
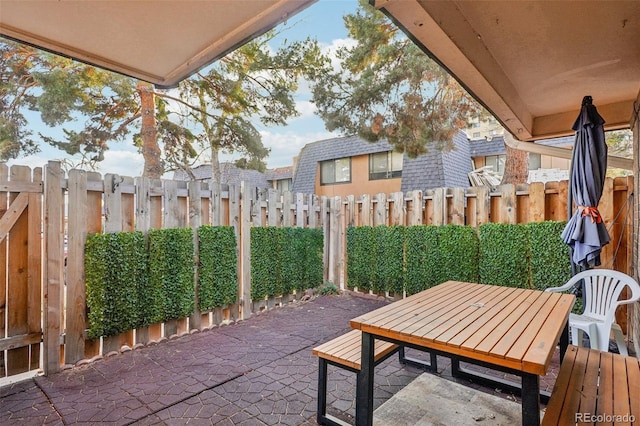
<point>511,327</point>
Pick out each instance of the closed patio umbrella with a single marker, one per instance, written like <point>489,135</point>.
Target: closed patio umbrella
<point>585,232</point>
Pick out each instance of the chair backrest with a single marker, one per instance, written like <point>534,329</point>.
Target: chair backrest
<point>602,290</point>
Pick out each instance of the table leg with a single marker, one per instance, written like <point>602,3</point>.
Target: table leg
<point>364,385</point>
<point>530,400</point>
<point>564,341</point>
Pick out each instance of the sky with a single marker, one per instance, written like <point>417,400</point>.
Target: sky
<point>323,21</point>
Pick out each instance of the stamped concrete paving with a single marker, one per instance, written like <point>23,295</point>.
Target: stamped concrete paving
<point>254,372</point>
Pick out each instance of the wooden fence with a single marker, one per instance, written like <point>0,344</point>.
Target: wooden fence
<point>86,202</point>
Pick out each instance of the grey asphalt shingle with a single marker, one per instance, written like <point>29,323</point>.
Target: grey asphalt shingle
<point>229,174</point>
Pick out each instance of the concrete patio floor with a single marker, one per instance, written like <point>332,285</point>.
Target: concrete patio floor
<point>254,372</point>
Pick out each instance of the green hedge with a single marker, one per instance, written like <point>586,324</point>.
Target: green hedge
<point>217,277</point>
<point>360,259</point>
<point>459,251</point>
<point>504,254</point>
<point>285,259</point>
<point>265,261</point>
<point>549,255</point>
<point>422,258</point>
<point>171,270</point>
<point>523,255</point>
<point>435,254</point>
<point>116,280</point>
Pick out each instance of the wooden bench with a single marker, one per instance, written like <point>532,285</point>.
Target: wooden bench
<point>344,352</point>
<point>595,388</point>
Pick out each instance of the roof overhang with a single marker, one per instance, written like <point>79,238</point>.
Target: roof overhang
<point>530,63</point>
<point>161,42</point>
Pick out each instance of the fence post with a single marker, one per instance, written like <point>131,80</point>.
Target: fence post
<point>326,230</point>
<point>335,254</point>
<point>53,271</point>
<point>195,221</point>
<point>234,220</point>
<point>76,286</point>
<point>245,248</point>
<point>300,219</point>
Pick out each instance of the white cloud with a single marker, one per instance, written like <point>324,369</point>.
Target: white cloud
<point>124,163</point>
<point>306,109</point>
<point>286,145</point>
<point>331,49</point>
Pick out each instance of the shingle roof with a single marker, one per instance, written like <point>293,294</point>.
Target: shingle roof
<point>432,170</point>
<point>229,174</point>
<point>279,173</point>
<point>437,168</point>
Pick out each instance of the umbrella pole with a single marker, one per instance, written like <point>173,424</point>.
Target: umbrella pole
<point>569,214</point>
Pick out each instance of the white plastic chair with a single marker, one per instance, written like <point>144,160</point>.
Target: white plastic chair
<point>602,289</point>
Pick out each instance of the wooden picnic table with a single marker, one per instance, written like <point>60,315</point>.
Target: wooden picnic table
<point>508,329</point>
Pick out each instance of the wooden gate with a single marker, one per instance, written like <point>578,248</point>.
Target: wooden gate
<point>20,269</point>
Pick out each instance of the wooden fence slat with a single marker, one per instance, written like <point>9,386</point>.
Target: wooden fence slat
<point>457,209</point>
<point>53,270</point>
<point>195,220</point>
<point>415,214</point>
<point>245,249</point>
<point>142,224</point>
<point>300,217</point>
<point>34,273</point>
<point>483,206</point>
<point>536,202</point>
<point>397,213</point>
<point>439,206</point>
<point>216,203</point>
<point>287,212</point>
<point>365,210</point>
<point>234,218</point>
<point>17,360</point>
<point>380,210</point>
<point>335,208</point>
<point>272,206</point>
<point>128,205</point>
<point>76,321</point>
<point>507,210</point>
<point>4,201</point>
<point>324,213</point>
<point>350,211</point>
<point>311,213</point>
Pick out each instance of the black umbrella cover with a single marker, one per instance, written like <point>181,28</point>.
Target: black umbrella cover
<point>585,232</point>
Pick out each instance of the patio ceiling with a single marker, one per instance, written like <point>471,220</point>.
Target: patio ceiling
<point>161,42</point>
<point>531,62</point>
